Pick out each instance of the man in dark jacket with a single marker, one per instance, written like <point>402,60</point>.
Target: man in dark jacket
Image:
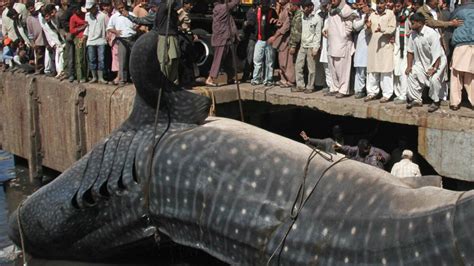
<point>224,37</point>
<point>250,39</point>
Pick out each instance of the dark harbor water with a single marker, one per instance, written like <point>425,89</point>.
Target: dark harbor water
<point>7,172</point>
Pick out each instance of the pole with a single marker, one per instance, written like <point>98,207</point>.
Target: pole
<point>234,64</point>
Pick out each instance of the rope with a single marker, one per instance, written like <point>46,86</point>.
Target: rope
<point>234,63</point>
<point>146,187</point>
<point>208,93</point>
<point>110,109</point>
<point>20,229</point>
<point>300,201</point>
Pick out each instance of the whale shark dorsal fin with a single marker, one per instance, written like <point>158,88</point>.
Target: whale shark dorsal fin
<point>181,105</point>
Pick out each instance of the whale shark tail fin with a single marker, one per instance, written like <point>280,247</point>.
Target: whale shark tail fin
<point>182,106</point>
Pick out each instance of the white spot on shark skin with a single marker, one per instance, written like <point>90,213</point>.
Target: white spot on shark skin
<point>372,200</point>
<point>167,178</point>
<point>448,215</point>
<point>184,146</point>
<point>230,187</point>
<point>234,151</point>
<point>316,257</point>
<point>209,179</point>
<point>285,249</point>
<point>349,209</point>
<point>140,163</point>
<point>430,219</point>
<point>254,184</point>
<point>203,138</point>
<point>212,164</point>
<point>353,230</point>
<point>186,183</point>
<point>410,225</point>
<point>168,162</point>
<point>267,218</point>
<point>204,205</point>
<point>185,201</point>
<point>244,211</point>
<point>234,246</point>
<point>222,208</point>
<point>168,200</point>
<point>294,227</point>
<point>325,231</point>
<point>346,260</point>
<point>259,240</point>
<point>279,193</point>
<point>417,254</point>
<point>236,231</point>
<point>257,172</point>
<point>384,232</point>
<point>384,261</point>
<point>286,170</point>
<point>340,197</point>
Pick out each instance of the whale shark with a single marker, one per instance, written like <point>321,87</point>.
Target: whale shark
<point>240,193</point>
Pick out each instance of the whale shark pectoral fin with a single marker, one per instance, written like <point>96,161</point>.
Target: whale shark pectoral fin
<point>183,106</point>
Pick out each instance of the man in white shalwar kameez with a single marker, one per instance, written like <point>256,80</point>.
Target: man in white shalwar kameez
<point>323,59</point>
<point>402,33</point>
<point>338,30</point>
<point>381,25</point>
<point>360,56</point>
<point>426,63</point>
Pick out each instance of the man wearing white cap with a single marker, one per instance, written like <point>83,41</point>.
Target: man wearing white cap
<point>95,32</point>
<point>406,168</point>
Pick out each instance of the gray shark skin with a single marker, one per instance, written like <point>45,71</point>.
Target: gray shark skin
<point>228,188</point>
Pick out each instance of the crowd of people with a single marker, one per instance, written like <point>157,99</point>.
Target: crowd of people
<point>387,50</point>
<point>83,41</point>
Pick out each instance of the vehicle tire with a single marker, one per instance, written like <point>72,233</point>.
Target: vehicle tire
<point>204,51</point>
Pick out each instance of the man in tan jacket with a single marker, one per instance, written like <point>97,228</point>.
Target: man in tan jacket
<point>381,24</point>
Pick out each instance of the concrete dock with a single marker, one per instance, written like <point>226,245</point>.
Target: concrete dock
<point>53,123</point>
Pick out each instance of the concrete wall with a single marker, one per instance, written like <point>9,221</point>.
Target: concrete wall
<point>450,152</point>
<point>55,123</point>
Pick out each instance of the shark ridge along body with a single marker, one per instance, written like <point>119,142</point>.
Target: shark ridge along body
<point>228,188</point>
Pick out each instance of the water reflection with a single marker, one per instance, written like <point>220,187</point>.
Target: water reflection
<point>7,172</point>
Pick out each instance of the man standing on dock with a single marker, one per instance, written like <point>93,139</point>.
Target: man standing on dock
<point>224,37</point>
<point>381,24</point>
<point>338,31</point>
<point>280,41</point>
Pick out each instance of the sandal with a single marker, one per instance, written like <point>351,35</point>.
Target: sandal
<point>369,98</point>
<point>454,107</point>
